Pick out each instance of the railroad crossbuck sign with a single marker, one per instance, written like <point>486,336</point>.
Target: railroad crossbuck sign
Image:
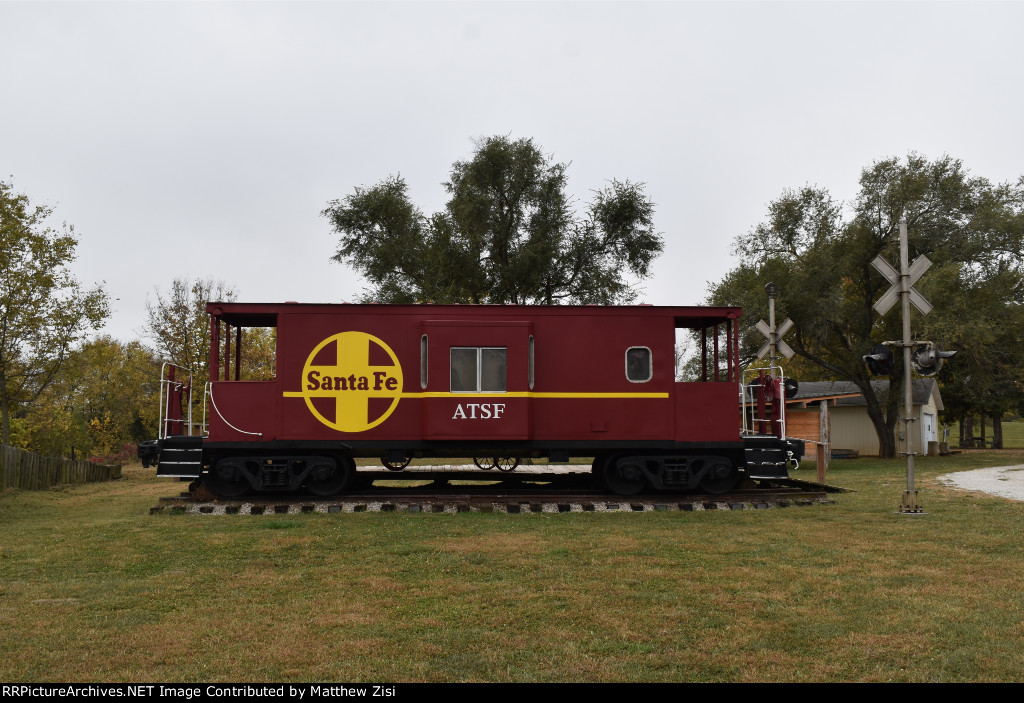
<point>915,271</point>
<point>775,337</point>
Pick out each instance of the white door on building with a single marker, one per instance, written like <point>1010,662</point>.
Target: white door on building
<point>928,430</point>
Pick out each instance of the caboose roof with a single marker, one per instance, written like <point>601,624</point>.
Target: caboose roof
<point>265,314</point>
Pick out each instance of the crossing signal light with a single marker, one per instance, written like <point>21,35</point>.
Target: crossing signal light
<point>927,359</point>
<point>880,361</point>
<point>791,388</point>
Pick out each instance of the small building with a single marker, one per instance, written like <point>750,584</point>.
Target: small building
<point>848,424</point>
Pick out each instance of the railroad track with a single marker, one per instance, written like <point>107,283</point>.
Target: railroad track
<point>497,499</point>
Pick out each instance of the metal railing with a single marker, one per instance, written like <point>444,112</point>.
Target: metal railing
<point>170,388</point>
<point>753,423</point>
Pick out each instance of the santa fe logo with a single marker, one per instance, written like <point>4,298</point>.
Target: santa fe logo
<point>347,376</point>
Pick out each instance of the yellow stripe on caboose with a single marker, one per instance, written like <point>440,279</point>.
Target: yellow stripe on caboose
<point>523,394</point>
<point>531,394</point>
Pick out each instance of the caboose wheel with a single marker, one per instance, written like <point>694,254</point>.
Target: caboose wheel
<point>721,477</point>
<point>624,477</point>
<point>395,466</point>
<point>506,463</point>
<point>484,463</point>
<point>326,478</point>
<point>226,479</point>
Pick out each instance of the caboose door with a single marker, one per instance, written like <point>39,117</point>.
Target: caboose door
<point>475,380</point>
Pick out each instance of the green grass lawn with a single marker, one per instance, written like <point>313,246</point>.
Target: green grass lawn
<point>1013,434</point>
<point>94,588</point>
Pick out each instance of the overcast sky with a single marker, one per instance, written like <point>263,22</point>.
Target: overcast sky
<point>203,139</point>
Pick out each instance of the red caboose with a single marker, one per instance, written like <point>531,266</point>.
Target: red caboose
<point>401,381</point>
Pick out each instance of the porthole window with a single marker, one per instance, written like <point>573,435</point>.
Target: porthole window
<point>638,364</point>
<point>479,369</point>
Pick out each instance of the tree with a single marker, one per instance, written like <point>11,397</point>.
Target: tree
<point>43,310</point>
<point>508,234</point>
<point>987,377</point>
<point>104,398</point>
<point>179,326</point>
<point>971,230</point>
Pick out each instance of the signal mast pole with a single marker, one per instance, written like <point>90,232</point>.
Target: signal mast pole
<point>771,289</point>
<point>775,346</point>
<point>774,334</point>
<point>927,359</point>
<point>909,504</point>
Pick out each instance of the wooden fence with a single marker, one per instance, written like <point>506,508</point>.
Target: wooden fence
<point>22,469</point>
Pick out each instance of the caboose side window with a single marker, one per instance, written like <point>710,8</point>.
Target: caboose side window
<point>423,362</point>
<point>638,364</point>
<point>479,369</point>
<point>530,371</point>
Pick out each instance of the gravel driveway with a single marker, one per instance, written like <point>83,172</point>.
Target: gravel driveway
<point>1005,481</point>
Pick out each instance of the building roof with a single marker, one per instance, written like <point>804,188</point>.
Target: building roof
<point>846,393</point>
